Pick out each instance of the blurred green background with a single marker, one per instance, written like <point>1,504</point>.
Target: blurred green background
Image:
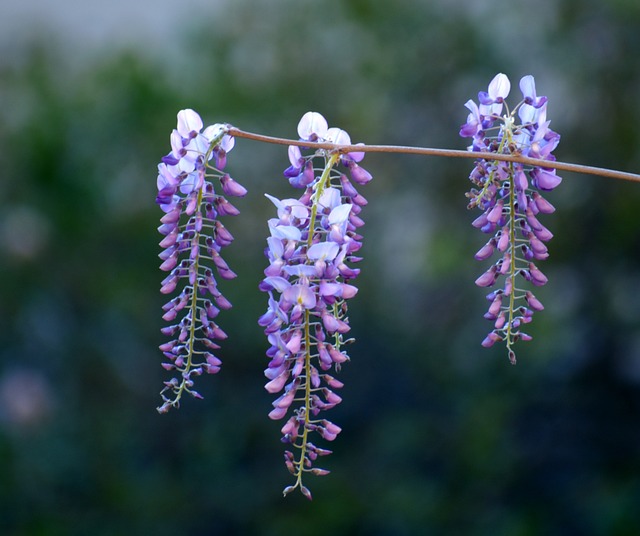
<point>440,436</point>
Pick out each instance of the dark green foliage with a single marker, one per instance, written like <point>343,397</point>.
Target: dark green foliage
<point>439,435</point>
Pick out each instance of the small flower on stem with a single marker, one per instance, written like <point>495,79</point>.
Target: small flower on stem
<point>193,239</point>
<point>308,280</point>
<point>508,194</point>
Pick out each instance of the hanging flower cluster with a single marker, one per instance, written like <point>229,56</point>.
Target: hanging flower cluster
<point>508,194</point>
<point>312,243</point>
<point>193,238</point>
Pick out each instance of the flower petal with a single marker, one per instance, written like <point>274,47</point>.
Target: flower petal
<point>312,126</point>
<point>189,122</point>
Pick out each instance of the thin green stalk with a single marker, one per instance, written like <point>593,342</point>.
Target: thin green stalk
<point>512,261</point>
<point>193,310</point>
<point>319,188</point>
<point>193,307</point>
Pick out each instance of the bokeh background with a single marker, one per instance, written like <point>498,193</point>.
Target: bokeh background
<point>440,436</point>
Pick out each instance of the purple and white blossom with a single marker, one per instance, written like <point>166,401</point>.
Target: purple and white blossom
<point>309,280</point>
<point>193,239</point>
<point>509,196</point>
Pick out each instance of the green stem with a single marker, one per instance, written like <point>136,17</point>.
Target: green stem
<point>318,189</point>
<point>193,309</point>
<point>512,260</point>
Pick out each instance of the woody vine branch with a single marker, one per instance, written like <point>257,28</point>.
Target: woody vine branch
<point>430,151</point>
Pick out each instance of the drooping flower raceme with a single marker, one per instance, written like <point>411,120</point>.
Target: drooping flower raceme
<point>192,194</point>
<point>509,196</point>
<point>312,243</point>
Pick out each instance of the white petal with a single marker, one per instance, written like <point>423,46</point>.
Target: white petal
<point>188,121</point>
<point>312,123</point>
<point>499,86</point>
<point>278,283</point>
<point>294,155</point>
<point>337,135</point>
<point>275,247</point>
<point>339,214</point>
<point>301,270</point>
<point>527,114</point>
<point>528,87</point>
<point>323,250</point>
<point>330,198</point>
<point>285,232</point>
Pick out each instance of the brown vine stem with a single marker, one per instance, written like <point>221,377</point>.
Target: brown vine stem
<point>449,153</point>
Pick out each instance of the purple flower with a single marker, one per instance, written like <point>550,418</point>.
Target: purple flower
<point>313,127</point>
<point>508,195</point>
<point>193,238</point>
<point>482,117</point>
<point>528,88</point>
<point>308,280</point>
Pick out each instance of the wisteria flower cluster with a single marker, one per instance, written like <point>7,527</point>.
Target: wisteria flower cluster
<point>192,239</point>
<point>312,244</point>
<point>509,196</point>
